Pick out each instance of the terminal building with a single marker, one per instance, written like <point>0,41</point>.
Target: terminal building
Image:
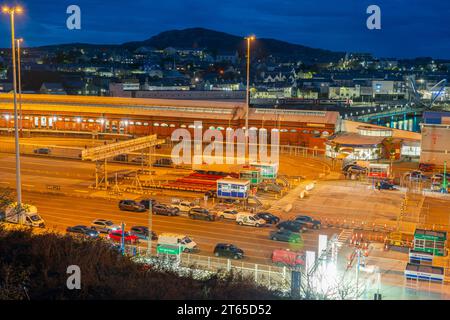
<point>138,117</point>
<point>368,142</point>
<point>435,148</point>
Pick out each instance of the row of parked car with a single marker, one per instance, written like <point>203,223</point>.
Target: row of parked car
<point>298,224</point>
<point>113,231</point>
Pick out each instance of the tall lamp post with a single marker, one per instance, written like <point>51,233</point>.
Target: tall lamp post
<point>12,11</point>
<point>247,96</point>
<point>19,74</point>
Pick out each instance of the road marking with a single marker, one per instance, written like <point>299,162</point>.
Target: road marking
<point>83,191</point>
<point>4,182</point>
<point>28,185</point>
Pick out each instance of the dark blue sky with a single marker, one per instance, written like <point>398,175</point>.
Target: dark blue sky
<point>409,27</point>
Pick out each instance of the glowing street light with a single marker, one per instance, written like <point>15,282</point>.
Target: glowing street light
<point>12,11</point>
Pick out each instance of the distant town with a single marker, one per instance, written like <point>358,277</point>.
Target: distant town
<point>207,69</point>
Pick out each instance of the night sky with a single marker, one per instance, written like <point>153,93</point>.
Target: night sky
<point>410,28</point>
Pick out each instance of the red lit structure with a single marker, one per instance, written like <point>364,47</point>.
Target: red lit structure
<point>308,128</point>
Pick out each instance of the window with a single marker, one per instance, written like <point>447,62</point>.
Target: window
<point>156,124</point>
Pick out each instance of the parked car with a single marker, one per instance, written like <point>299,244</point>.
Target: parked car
<point>292,225</point>
<point>184,206</point>
<point>285,235</point>
<point>249,219</point>
<point>426,167</point>
<point>104,226</point>
<point>42,151</point>
<point>146,203</point>
<point>268,217</point>
<point>84,231</point>
<point>180,241</point>
<point>142,160</point>
<point>143,233</point>
<point>131,205</point>
<point>385,185</point>
<point>164,162</point>
<point>228,250</point>
<point>128,238</point>
<point>201,213</point>
<point>164,210</point>
<point>440,176</point>
<point>416,176</point>
<point>227,214</point>
<point>288,258</point>
<point>355,169</point>
<point>121,158</point>
<point>270,187</point>
<point>309,222</point>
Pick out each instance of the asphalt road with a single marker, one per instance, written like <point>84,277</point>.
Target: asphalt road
<point>59,212</point>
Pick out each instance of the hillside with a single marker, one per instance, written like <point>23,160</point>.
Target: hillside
<point>216,42</point>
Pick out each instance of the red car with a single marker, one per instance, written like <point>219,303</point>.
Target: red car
<point>288,258</point>
<point>117,236</point>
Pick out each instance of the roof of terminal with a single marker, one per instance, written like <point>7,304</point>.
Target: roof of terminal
<point>355,139</point>
<point>164,107</point>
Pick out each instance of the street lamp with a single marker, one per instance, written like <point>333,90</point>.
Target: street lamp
<point>12,11</point>
<point>247,93</point>
<point>20,84</point>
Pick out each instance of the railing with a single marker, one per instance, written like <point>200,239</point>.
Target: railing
<point>267,275</point>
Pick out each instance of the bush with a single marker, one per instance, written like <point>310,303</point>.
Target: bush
<point>34,267</point>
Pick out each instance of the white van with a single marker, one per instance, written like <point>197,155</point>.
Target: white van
<point>249,219</point>
<point>172,239</point>
<point>28,215</point>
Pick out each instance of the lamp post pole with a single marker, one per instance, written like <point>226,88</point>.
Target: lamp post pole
<point>247,98</point>
<point>11,12</point>
<point>149,240</point>
<point>20,85</point>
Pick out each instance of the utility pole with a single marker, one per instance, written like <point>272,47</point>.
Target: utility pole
<point>20,85</point>
<point>247,98</point>
<point>122,242</point>
<point>11,12</point>
<point>149,240</point>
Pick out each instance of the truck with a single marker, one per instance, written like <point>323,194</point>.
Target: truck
<point>172,243</point>
<point>28,215</point>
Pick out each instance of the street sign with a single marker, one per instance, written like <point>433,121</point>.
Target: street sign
<point>172,250</point>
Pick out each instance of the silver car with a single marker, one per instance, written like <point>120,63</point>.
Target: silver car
<point>104,226</point>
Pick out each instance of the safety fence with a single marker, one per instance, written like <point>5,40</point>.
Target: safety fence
<point>271,276</point>
<point>357,225</point>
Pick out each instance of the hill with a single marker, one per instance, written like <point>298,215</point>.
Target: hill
<point>216,41</point>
